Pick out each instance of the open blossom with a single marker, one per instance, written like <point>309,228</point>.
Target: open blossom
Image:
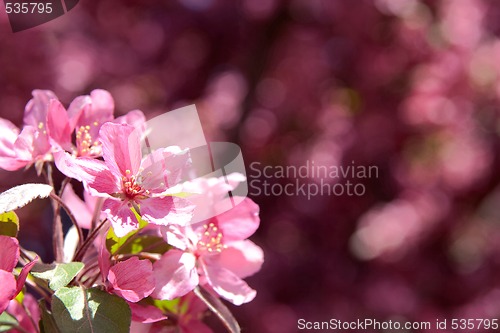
<point>88,113</point>
<point>214,252</point>
<point>129,181</point>
<point>42,127</point>
<point>48,127</point>
<point>9,257</point>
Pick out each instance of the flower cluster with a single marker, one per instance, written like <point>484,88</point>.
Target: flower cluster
<point>133,247</point>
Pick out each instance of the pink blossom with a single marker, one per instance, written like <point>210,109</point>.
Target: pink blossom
<point>88,113</point>
<point>9,257</point>
<point>175,274</point>
<point>129,181</point>
<point>220,250</point>
<point>132,279</point>
<point>45,122</point>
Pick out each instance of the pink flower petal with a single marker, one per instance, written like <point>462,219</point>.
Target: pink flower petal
<point>99,111</point>
<point>132,279</point>
<point>103,105</point>
<point>36,109</point>
<point>90,201</point>
<point>227,284</point>
<point>103,257</point>
<point>25,144</point>
<point>166,210</point>
<point>27,314</point>
<point>9,255</point>
<point>133,118</point>
<point>79,208</point>
<point>175,274</point>
<point>23,274</point>
<point>146,313</point>
<point>154,174</point>
<point>58,126</point>
<point>239,222</point>
<point>11,163</point>
<point>121,148</point>
<point>90,171</point>
<point>175,235</point>
<point>243,258</point>
<point>76,108</point>
<point>167,166</point>
<point>122,218</point>
<point>8,135</point>
<point>8,289</point>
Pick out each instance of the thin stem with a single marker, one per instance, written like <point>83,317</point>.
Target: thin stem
<point>87,270</point>
<point>90,282</point>
<point>43,292</point>
<point>25,255</point>
<point>57,236</point>
<point>79,253</point>
<point>63,186</point>
<point>97,212</point>
<point>71,217</point>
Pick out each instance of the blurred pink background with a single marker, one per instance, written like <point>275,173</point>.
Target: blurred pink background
<point>411,87</point>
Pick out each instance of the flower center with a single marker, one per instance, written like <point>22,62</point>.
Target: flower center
<point>210,241</point>
<point>132,189</point>
<point>86,146</point>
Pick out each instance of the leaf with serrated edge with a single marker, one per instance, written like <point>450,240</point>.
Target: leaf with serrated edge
<point>82,310</point>
<point>58,275</point>
<point>22,195</point>
<point>9,224</point>
<point>216,306</point>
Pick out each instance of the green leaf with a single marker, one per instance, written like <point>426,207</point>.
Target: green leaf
<point>82,310</point>
<point>174,306</point>
<point>7,322</point>
<point>20,297</point>
<point>22,195</point>
<point>114,243</point>
<point>168,305</point>
<point>58,275</point>
<point>145,243</point>
<point>9,224</point>
<point>219,309</point>
<point>47,323</point>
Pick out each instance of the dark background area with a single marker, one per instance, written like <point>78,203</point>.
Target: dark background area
<point>411,87</point>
